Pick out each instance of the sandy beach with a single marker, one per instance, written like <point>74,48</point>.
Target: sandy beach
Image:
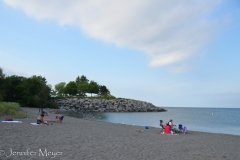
<point>89,139</point>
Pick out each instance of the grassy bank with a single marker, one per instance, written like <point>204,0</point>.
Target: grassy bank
<point>11,108</point>
<point>107,96</point>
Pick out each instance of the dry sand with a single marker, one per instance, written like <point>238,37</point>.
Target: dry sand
<point>92,140</point>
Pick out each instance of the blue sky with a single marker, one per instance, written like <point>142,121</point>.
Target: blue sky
<point>169,53</point>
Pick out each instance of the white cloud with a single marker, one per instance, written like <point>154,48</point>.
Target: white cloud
<point>168,31</point>
<point>181,69</point>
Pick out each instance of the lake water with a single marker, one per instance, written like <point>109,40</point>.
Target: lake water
<point>213,120</point>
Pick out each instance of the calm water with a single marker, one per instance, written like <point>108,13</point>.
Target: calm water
<point>213,120</point>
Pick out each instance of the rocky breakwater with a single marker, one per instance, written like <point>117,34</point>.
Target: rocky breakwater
<point>101,105</point>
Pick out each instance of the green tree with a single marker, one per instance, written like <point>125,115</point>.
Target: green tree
<point>83,88</point>
<point>71,88</point>
<point>13,88</point>
<point>60,88</point>
<point>82,85</point>
<point>83,79</point>
<point>2,75</point>
<point>35,92</point>
<point>32,92</point>
<point>2,79</point>
<point>78,80</point>
<point>93,87</point>
<point>103,90</point>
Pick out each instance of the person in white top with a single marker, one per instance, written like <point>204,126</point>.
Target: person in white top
<point>173,126</point>
<point>170,123</point>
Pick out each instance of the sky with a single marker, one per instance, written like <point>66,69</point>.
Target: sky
<point>169,53</point>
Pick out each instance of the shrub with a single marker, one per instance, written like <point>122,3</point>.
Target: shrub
<point>106,96</point>
<point>12,112</point>
<point>11,108</point>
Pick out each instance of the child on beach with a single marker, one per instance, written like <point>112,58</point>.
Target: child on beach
<point>84,115</point>
<point>60,118</point>
<point>55,111</point>
<point>40,119</point>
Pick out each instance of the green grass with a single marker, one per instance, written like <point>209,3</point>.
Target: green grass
<point>107,96</point>
<point>11,108</point>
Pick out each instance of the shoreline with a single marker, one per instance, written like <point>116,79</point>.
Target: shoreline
<point>135,119</point>
<point>89,139</point>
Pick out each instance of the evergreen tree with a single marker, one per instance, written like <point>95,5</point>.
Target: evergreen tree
<point>82,85</point>
<point>103,90</point>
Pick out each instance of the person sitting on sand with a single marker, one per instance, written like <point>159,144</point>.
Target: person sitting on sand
<point>40,119</point>
<point>173,126</point>
<point>171,123</point>
<point>162,124</point>
<point>167,129</point>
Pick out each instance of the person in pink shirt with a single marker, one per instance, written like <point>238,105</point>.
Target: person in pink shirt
<point>167,130</point>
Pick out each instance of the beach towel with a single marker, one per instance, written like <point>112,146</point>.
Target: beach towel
<point>12,121</point>
<point>171,134</point>
<point>9,119</point>
<point>35,124</point>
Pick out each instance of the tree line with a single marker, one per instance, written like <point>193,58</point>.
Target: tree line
<point>80,87</point>
<point>35,92</point>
